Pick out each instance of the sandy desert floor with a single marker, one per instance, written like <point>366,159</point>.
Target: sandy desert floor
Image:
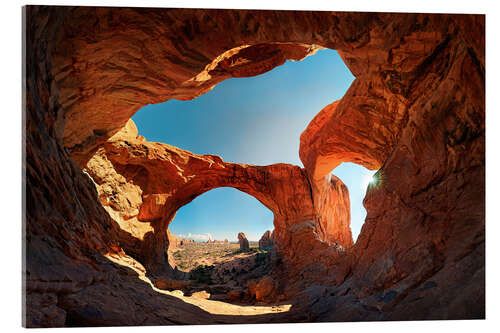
<point>201,299</point>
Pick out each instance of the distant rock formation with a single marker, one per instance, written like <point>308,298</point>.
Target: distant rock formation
<point>266,240</point>
<point>226,241</point>
<point>184,241</point>
<point>242,239</point>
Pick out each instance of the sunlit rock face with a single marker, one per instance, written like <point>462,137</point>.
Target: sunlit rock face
<point>332,206</point>
<point>121,198</point>
<point>415,111</point>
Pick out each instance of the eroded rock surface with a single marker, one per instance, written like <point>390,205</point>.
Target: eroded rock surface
<point>266,241</point>
<point>415,112</point>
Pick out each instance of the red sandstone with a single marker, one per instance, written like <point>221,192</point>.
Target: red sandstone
<point>415,112</point>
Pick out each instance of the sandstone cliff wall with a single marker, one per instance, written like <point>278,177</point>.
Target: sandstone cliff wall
<point>415,112</point>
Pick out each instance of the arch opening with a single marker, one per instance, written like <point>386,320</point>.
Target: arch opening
<point>263,116</point>
<point>256,120</point>
<point>206,250</point>
<point>222,213</point>
<point>357,179</point>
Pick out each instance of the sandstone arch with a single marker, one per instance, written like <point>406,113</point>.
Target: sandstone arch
<point>182,176</point>
<point>421,76</point>
<point>361,128</point>
<point>169,178</point>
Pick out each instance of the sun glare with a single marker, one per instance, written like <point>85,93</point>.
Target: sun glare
<point>367,180</point>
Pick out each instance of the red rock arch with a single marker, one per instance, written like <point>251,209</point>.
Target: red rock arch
<point>170,178</point>
<point>168,54</point>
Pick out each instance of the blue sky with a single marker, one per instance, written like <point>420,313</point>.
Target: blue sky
<point>255,120</point>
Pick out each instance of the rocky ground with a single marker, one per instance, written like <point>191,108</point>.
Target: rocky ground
<point>191,255</point>
<point>222,270</point>
<point>199,295</point>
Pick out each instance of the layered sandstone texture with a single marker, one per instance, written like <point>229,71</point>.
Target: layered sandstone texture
<point>415,113</point>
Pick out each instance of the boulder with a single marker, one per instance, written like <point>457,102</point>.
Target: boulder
<point>264,288</point>
<point>261,290</point>
<point>252,288</point>
<point>201,294</point>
